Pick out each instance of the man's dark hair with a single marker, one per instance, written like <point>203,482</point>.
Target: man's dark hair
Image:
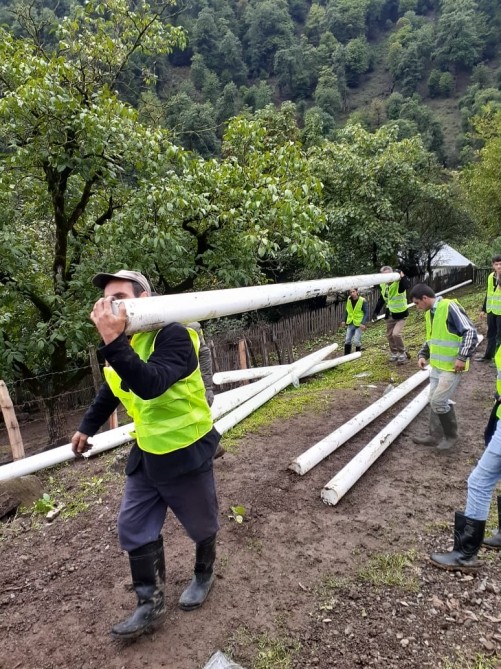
<point>496,258</point>
<point>421,290</point>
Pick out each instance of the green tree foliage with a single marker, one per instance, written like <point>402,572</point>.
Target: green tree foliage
<point>85,186</point>
<point>316,23</point>
<point>327,95</point>
<point>270,29</point>
<point>459,34</point>
<point>375,187</point>
<point>480,181</point>
<point>346,19</point>
<point>408,52</point>
<point>70,148</point>
<point>357,57</point>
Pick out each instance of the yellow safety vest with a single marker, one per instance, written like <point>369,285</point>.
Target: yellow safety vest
<point>444,345</point>
<point>395,301</point>
<point>175,419</point>
<point>355,314</point>
<point>493,302</point>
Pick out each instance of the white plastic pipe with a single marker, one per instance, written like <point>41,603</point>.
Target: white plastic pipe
<point>152,313</point>
<point>349,475</point>
<point>120,435</point>
<point>101,442</point>
<point>442,292</point>
<point>279,382</point>
<point>333,441</point>
<point>236,375</point>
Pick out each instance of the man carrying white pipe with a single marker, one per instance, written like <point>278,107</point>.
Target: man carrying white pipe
<point>356,317</point>
<point>451,339</point>
<point>469,527</point>
<point>156,375</point>
<point>394,298</point>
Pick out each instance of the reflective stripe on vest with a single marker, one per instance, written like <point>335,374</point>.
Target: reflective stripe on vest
<point>444,345</point>
<point>395,301</point>
<point>493,302</point>
<point>355,315</point>
<point>175,419</point>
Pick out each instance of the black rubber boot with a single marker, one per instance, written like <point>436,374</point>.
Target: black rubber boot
<point>347,349</point>
<point>358,348</point>
<point>495,540</point>
<point>468,535</point>
<point>203,577</point>
<point>147,566</point>
<point>435,432</point>
<point>450,428</point>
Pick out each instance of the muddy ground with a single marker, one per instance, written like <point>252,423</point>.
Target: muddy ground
<point>295,581</point>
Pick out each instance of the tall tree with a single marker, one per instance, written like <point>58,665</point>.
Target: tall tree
<point>71,147</point>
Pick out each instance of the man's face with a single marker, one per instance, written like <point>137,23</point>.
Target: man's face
<point>496,266</point>
<point>354,294</point>
<point>424,303</point>
<point>121,289</point>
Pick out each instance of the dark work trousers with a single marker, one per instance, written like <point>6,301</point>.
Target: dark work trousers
<point>493,335</point>
<point>192,498</point>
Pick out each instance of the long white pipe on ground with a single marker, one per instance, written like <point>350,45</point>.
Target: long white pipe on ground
<point>236,375</point>
<point>101,442</point>
<point>279,383</point>
<point>333,441</point>
<point>246,392</point>
<point>349,475</point>
<point>152,313</point>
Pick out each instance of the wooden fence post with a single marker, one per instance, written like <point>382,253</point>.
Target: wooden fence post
<point>96,372</point>
<point>9,415</point>
<point>98,380</point>
<point>242,356</point>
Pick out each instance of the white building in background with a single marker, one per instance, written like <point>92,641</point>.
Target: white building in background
<point>448,257</point>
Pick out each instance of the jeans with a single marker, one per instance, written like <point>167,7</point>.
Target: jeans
<point>442,387</point>
<point>353,334</point>
<point>483,479</point>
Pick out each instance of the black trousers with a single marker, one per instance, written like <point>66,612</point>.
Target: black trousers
<point>493,334</point>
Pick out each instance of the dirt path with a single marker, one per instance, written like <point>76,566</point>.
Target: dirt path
<point>289,589</point>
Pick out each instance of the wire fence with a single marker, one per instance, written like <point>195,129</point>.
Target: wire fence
<point>262,344</point>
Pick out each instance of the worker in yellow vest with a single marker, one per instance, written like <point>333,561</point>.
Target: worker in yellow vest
<point>451,339</point>
<point>156,375</point>
<point>356,317</point>
<point>469,527</point>
<point>394,299</point>
<point>492,307</point>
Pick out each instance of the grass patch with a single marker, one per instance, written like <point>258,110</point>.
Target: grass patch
<point>387,569</point>
<point>480,661</point>
<point>437,526</point>
<point>267,651</point>
<point>275,653</point>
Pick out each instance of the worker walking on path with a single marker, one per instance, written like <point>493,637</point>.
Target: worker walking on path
<point>156,375</point>
<point>394,298</point>
<point>356,317</point>
<point>451,339</point>
<point>492,307</point>
<point>469,527</point>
